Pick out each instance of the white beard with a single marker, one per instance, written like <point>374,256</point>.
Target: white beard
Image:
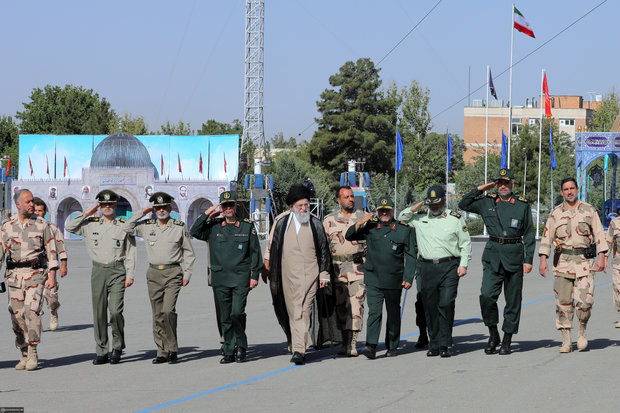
<point>109,215</point>
<point>302,217</point>
<point>163,215</point>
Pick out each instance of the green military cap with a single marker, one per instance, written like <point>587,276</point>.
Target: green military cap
<point>107,196</point>
<point>228,196</point>
<point>435,195</point>
<point>160,199</point>
<point>505,174</point>
<point>385,202</point>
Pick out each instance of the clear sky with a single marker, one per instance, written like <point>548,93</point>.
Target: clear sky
<point>184,60</point>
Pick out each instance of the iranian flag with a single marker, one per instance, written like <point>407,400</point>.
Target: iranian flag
<point>521,24</point>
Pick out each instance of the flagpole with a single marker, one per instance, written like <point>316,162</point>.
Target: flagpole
<point>551,166</point>
<point>486,137</point>
<point>512,36</point>
<point>447,160</point>
<point>542,76</point>
<point>395,165</point>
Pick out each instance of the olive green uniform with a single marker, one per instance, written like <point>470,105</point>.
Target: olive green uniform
<point>235,256</point>
<point>113,253</point>
<point>166,247</point>
<point>390,260</point>
<point>511,244</point>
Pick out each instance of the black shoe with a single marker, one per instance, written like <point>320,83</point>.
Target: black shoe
<point>444,352</point>
<point>160,360</point>
<point>172,357</point>
<point>227,359</point>
<point>422,341</point>
<point>432,353</point>
<point>100,360</point>
<point>505,348</point>
<point>241,355</point>
<point>370,351</point>
<point>391,353</point>
<point>116,356</point>
<point>493,341</point>
<point>222,351</point>
<point>298,358</point>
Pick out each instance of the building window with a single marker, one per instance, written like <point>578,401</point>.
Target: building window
<point>567,122</point>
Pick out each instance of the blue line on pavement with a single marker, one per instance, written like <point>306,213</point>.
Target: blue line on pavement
<point>273,373</point>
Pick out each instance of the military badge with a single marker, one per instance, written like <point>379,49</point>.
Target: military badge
<point>503,172</point>
<point>106,196</point>
<point>514,223</point>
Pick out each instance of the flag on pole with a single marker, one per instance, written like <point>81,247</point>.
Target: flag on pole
<point>491,86</point>
<point>547,99</point>
<point>553,164</point>
<point>162,166</point>
<point>47,169</point>
<point>225,163</point>
<point>200,164</point>
<point>8,166</point>
<point>64,173</point>
<point>521,24</point>
<point>30,162</point>
<point>606,163</point>
<point>449,157</point>
<point>179,159</point>
<point>399,151</point>
<point>504,149</point>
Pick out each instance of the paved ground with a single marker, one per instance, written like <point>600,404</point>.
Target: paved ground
<point>534,378</point>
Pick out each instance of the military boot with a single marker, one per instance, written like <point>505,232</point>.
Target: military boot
<point>618,322</point>
<point>582,340</point>
<point>54,320</point>
<point>505,347</point>
<point>33,359</point>
<point>493,340</point>
<point>353,348</point>
<point>22,362</point>
<point>344,349</point>
<point>567,344</point>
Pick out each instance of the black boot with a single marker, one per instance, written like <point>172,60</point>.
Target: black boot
<point>422,340</point>
<point>370,351</point>
<point>493,340</point>
<point>505,348</point>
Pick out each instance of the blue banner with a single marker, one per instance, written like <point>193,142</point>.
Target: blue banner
<point>449,158</point>
<point>504,150</point>
<point>553,164</point>
<point>399,151</point>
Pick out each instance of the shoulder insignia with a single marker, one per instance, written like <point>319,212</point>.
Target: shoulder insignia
<point>177,222</point>
<point>121,219</point>
<point>403,223</point>
<point>375,219</point>
<point>93,219</point>
<point>455,214</point>
<point>492,196</point>
<point>479,196</point>
<point>422,211</point>
<point>150,221</point>
<point>520,198</point>
<point>247,220</point>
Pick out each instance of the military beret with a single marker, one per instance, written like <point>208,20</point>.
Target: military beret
<point>435,195</point>
<point>107,196</point>
<point>160,199</point>
<point>505,174</point>
<point>385,202</point>
<point>228,196</point>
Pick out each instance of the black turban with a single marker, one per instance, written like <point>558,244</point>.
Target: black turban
<point>297,192</point>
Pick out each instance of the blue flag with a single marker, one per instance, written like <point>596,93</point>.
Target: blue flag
<point>449,159</point>
<point>491,86</point>
<point>399,151</point>
<point>504,150</point>
<point>606,162</point>
<point>553,164</point>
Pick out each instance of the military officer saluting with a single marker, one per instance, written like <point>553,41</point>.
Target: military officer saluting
<point>508,254</point>
<point>445,249</point>
<point>113,253</point>
<point>389,267</point>
<point>236,263</point>
<point>167,246</point>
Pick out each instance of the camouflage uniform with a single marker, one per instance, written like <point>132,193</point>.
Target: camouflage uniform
<point>28,245</point>
<point>613,238</point>
<point>350,289</point>
<point>51,295</point>
<point>573,229</point>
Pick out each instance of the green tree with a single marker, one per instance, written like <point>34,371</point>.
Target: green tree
<point>356,121</point>
<point>71,110</point>
<point>179,129</point>
<point>606,114</point>
<point>9,140</point>
<point>133,125</point>
<point>279,142</point>
<point>213,127</point>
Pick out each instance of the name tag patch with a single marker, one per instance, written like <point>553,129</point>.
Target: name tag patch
<point>514,223</point>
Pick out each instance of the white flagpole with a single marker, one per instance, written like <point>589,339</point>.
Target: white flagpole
<point>447,159</point>
<point>512,36</point>
<point>486,136</point>
<point>542,76</point>
<point>395,173</point>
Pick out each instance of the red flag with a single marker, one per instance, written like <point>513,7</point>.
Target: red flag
<point>179,159</point>
<point>64,172</point>
<point>48,165</point>
<point>161,173</point>
<point>200,164</point>
<point>547,100</point>
<point>225,162</point>
<point>8,166</point>
<point>30,162</point>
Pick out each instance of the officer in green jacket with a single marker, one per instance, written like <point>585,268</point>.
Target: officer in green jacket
<point>236,262</point>
<point>508,254</point>
<point>389,267</point>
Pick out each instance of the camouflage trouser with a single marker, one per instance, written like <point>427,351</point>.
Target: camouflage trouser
<point>350,304</point>
<point>616,283</point>
<point>581,291</point>
<point>25,302</point>
<point>51,296</point>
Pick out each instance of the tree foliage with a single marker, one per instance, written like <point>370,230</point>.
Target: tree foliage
<point>278,142</point>
<point>9,139</point>
<point>606,114</point>
<point>178,129</point>
<point>133,125</point>
<point>71,110</point>
<point>213,127</point>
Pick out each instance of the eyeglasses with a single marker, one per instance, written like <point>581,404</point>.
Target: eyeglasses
<point>228,205</point>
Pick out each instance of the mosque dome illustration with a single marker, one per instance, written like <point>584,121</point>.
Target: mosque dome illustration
<point>121,150</point>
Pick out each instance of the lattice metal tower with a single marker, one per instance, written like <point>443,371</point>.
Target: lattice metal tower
<point>253,128</point>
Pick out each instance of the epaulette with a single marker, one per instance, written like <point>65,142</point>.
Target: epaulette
<point>482,195</point>
<point>249,221</point>
<point>403,223</point>
<point>375,219</point>
<point>492,196</point>
<point>455,214</point>
<point>121,220</point>
<point>93,219</point>
<point>177,222</point>
<point>150,221</point>
<point>520,198</point>
<point>422,211</point>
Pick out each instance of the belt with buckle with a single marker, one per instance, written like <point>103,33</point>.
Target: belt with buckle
<point>112,264</point>
<point>343,258</point>
<point>509,240</point>
<point>438,260</point>
<point>163,266</point>
<point>573,251</point>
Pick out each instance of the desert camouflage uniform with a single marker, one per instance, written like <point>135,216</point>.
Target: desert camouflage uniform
<point>51,295</point>
<point>350,289</point>
<point>22,243</point>
<point>574,275</point>
<point>613,238</point>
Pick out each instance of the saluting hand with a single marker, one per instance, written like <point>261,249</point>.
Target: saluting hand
<point>417,206</point>
<point>147,210</point>
<point>486,187</point>
<point>212,211</point>
<point>363,221</point>
<point>92,210</point>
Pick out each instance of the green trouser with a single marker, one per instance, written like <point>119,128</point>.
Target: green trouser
<point>420,314</point>
<point>164,287</point>
<point>107,284</point>
<point>376,296</point>
<point>489,292</point>
<point>439,287</point>
<point>232,301</point>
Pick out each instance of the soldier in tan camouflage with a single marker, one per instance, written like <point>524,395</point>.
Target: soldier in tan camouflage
<point>613,238</point>
<point>575,230</point>
<point>349,266</point>
<point>51,294</point>
<point>27,242</point>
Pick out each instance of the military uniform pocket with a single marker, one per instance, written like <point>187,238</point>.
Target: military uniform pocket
<point>583,228</point>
